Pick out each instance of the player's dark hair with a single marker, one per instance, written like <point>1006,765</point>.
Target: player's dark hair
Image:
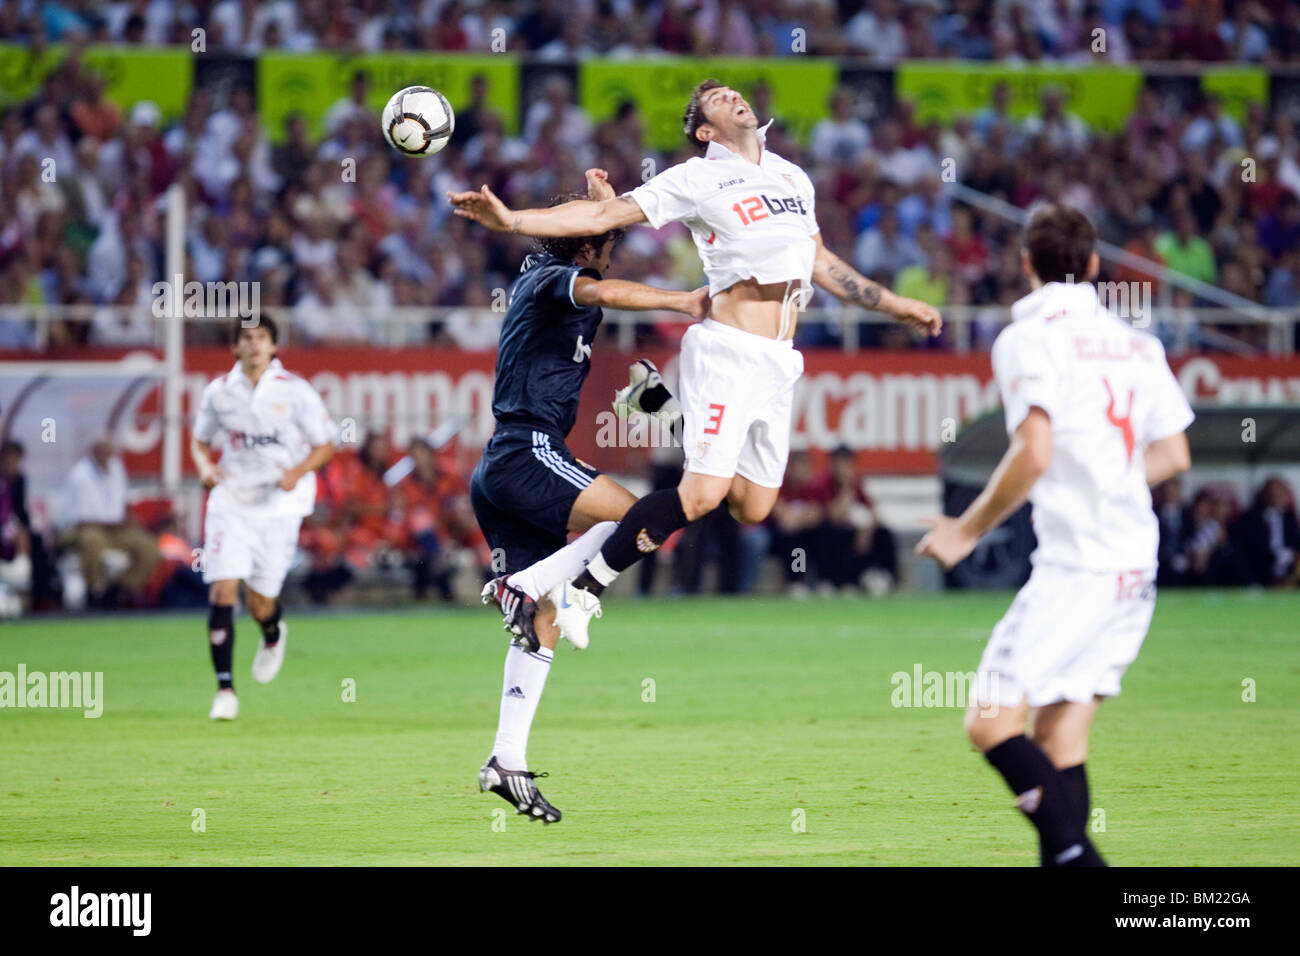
<point>568,247</point>
<point>693,118</point>
<point>1060,240</point>
<point>265,321</point>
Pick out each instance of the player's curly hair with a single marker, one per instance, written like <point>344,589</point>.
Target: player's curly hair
<point>568,247</point>
<point>694,118</point>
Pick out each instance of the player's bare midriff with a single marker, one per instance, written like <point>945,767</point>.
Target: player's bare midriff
<point>753,307</point>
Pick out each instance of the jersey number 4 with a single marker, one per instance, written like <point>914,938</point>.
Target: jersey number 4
<point>1124,423</point>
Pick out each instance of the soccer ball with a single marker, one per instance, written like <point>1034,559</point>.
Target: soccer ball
<point>418,121</point>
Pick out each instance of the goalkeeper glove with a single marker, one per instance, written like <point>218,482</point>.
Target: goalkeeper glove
<point>646,394</point>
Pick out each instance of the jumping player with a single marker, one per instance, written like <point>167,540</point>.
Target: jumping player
<point>1095,418</point>
<point>751,214</point>
<point>277,433</point>
<point>528,489</point>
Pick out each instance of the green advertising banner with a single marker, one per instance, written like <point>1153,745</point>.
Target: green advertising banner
<point>799,89</point>
<point>1103,97</point>
<point>310,83</point>
<point>131,74</point>
<point>1236,86</point>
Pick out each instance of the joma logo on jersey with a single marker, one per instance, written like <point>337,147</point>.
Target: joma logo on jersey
<point>754,208</point>
<point>245,440</point>
<point>582,352</point>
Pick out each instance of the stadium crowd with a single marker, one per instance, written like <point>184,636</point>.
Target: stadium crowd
<point>882,31</point>
<point>1213,542</point>
<point>339,256</point>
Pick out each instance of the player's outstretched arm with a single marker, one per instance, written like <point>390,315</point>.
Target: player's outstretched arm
<point>621,294</point>
<point>583,217</point>
<point>849,285</point>
<point>949,540</point>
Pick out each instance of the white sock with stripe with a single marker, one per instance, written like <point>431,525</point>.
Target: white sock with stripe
<point>521,692</point>
<point>537,579</point>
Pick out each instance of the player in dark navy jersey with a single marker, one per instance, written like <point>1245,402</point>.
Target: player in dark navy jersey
<point>528,490</point>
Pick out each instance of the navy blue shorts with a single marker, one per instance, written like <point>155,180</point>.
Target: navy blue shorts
<point>523,491</point>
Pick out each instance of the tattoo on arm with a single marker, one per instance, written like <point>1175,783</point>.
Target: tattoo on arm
<point>865,293</point>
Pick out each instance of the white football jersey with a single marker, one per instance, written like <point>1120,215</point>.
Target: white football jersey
<point>1109,392</point>
<point>747,220</point>
<point>264,431</point>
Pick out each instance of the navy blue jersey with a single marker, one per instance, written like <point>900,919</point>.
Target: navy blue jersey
<point>545,350</point>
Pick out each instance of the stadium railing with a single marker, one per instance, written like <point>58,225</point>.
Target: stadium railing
<point>1260,331</point>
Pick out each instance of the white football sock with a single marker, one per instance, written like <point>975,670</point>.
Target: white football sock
<point>521,692</point>
<point>538,579</point>
<point>599,569</point>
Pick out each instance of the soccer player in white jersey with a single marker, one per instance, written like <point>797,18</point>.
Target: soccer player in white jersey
<point>275,433</point>
<point>1095,418</point>
<point>751,214</point>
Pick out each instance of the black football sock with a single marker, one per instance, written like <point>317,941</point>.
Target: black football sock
<point>1076,784</point>
<point>1043,797</point>
<point>221,641</point>
<point>643,530</point>
<point>1075,780</point>
<point>271,627</point>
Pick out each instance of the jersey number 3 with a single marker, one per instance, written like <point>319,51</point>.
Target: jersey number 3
<point>715,420</point>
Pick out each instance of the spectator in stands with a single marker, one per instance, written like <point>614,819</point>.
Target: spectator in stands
<point>798,521</point>
<point>841,138</point>
<point>928,282</point>
<point>44,580</point>
<point>15,552</point>
<point>1212,561</point>
<point>1186,252</point>
<point>1268,536</point>
<point>360,504</point>
<point>94,519</point>
<point>859,551</point>
<point>883,250</point>
<point>176,583</point>
<point>424,496</point>
<point>1172,514</point>
<point>353,106</point>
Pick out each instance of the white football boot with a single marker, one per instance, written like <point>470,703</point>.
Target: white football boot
<point>574,609</point>
<point>225,706</point>
<point>268,660</point>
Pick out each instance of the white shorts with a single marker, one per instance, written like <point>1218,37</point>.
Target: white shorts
<point>1068,635</point>
<point>254,548</point>
<point>737,393</point>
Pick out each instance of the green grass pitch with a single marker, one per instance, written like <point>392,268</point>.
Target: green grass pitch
<point>765,712</point>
